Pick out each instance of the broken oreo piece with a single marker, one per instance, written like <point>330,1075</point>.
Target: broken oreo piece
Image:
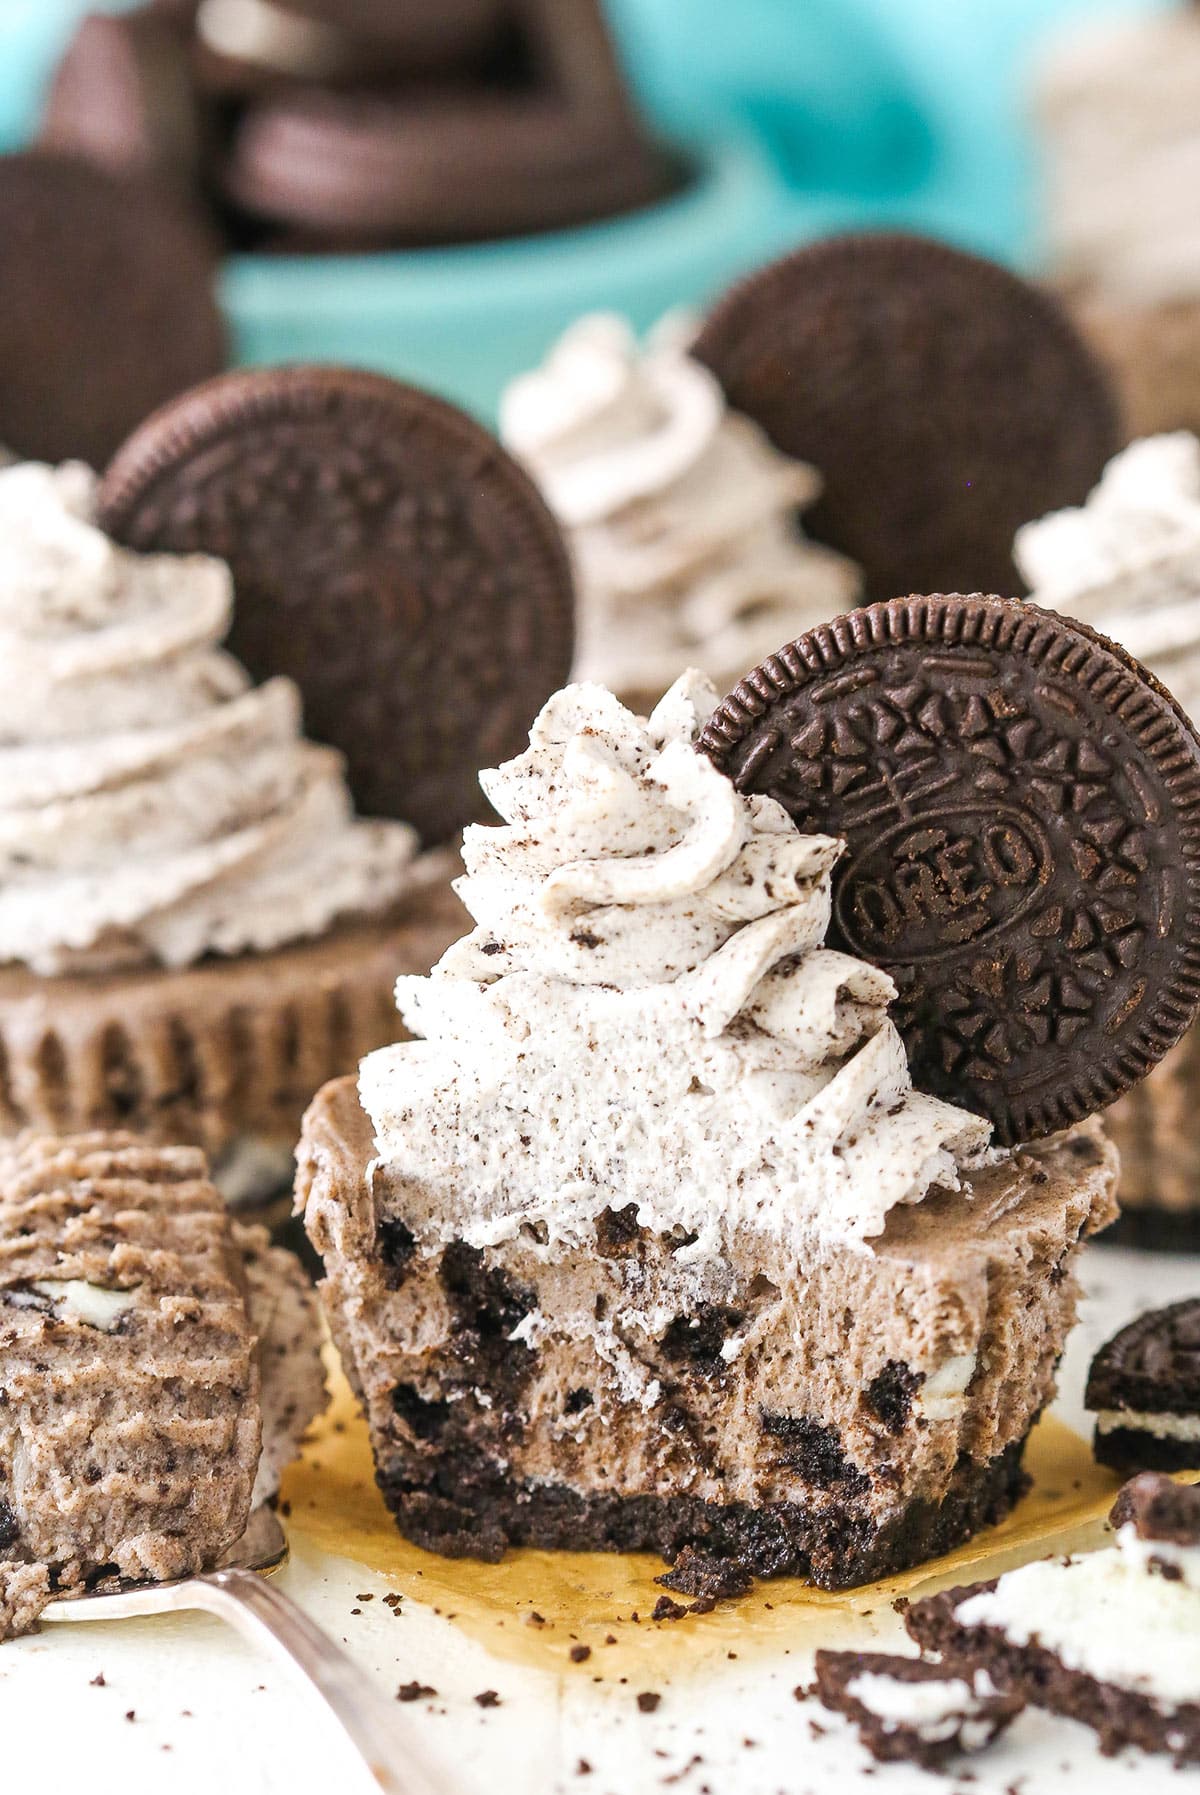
<point>1144,1390</point>
<point>908,1710</point>
<point>1021,806</point>
<point>944,400</point>
<point>387,556</point>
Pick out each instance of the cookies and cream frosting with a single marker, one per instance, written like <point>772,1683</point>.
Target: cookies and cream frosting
<point>645,1012</point>
<point>682,516</point>
<point>1120,107</point>
<point>1128,561</point>
<point>155,806</point>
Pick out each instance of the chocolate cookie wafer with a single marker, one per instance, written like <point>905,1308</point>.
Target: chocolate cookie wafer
<point>1021,806</point>
<point>907,1710</point>
<point>130,1427</point>
<point>386,554</point>
<point>107,307</point>
<point>943,399</point>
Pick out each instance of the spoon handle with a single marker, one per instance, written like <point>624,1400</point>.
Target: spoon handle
<point>267,1617</point>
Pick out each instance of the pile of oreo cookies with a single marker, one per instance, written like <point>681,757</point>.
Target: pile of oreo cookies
<point>310,125</point>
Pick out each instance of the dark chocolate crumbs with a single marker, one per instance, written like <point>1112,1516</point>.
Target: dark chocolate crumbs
<point>648,1701</point>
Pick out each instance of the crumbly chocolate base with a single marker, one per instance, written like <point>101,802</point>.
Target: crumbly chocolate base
<point>1118,1716</point>
<point>1131,1449</point>
<point>466,1507</point>
<point>898,1741</point>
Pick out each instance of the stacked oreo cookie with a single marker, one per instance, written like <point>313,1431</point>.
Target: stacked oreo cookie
<point>310,125</point>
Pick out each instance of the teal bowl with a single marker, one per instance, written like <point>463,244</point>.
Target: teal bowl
<point>463,320</point>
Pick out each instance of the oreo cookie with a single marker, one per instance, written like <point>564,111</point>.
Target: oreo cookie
<point>1144,1390</point>
<point>1021,806</point>
<point>1159,1510</point>
<point>107,306</point>
<point>387,555</point>
<point>944,400</point>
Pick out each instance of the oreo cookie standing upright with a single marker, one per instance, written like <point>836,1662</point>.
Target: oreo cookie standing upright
<point>1021,806</point>
<point>387,555</point>
<point>1144,1389</point>
<point>944,400</point>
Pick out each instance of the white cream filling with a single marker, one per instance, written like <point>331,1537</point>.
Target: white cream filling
<point>1163,1427</point>
<point>76,1300</point>
<point>1103,1616</point>
<point>1151,1555</point>
<point>933,1710</point>
<point>683,518</point>
<point>942,1395</point>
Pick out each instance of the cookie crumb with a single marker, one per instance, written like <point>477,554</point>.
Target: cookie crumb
<point>648,1701</point>
<point>414,1691</point>
<point>487,1698</point>
<point>98,1681</point>
<point>579,1654</point>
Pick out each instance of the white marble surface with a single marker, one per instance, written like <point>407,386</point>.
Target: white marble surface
<point>185,1707</point>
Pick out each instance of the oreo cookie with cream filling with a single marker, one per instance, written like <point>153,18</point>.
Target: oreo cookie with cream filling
<point>1021,806</point>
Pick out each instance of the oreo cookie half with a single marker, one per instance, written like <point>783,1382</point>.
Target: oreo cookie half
<point>387,555</point>
<point>1144,1390</point>
<point>1021,806</point>
<point>944,400</point>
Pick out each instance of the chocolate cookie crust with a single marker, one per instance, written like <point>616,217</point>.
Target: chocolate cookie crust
<point>387,555</point>
<point>1021,803</point>
<point>944,400</point>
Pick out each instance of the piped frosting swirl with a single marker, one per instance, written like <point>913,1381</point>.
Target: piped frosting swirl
<point>154,805</point>
<point>1128,561</point>
<point>645,1012</point>
<point>682,516</point>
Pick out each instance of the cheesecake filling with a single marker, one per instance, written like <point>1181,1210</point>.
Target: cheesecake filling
<point>683,518</point>
<point>645,1013</point>
<point>155,806</point>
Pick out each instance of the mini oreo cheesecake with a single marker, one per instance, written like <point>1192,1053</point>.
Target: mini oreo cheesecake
<point>159,1364</point>
<point>196,927</point>
<point>1111,1638</point>
<point>729,1194</point>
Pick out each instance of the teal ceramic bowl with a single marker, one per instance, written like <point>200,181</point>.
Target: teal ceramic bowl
<point>462,321</point>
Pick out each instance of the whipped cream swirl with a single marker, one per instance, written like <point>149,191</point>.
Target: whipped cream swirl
<point>1128,561</point>
<point>154,805</point>
<point>645,1013</point>
<point>1120,106</point>
<point>682,516</point>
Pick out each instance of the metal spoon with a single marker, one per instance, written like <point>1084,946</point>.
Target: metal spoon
<point>238,1592</point>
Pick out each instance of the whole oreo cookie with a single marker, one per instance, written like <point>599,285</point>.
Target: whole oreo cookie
<point>107,306</point>
<point>1144,1389</point>
<point>1021,807</point>
<point>944,400</point>
<point>387,555</point>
